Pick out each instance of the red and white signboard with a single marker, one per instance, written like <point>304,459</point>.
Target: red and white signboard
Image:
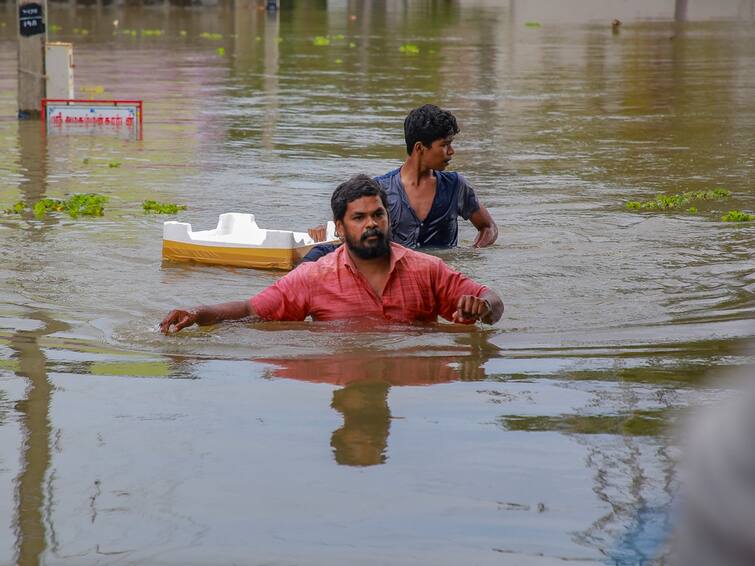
<point>122,117</point>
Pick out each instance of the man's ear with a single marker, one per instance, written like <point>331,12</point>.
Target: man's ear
<point>418,147</point>
<point>339,228</point>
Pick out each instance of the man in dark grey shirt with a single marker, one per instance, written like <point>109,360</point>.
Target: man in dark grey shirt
<point>424,201</point>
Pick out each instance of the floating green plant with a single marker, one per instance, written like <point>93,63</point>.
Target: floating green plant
<point>212,36</point>
<point>533,24</point>
<point>152,32</point>
<point>154,207</point>
<point>85,161</point>
<point>17,208</point>
<point>692,210</point>
<point>321,41</point>
<point>737,216</point>
<point>46,205</point>
<point>339,37</point>
<point>680,200</point>
<point>220,51</point>
<point>114,164</point>
<point>338,61</point>
<point>88,204</point>
<point>183,33</point>
<point>409,48</point>
<point>55,28</point>
<point>352,45</point>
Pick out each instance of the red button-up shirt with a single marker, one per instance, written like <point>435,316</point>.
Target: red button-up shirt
<point>420,287</point>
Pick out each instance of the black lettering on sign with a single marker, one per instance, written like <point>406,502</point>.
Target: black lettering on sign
<point>31,20</point>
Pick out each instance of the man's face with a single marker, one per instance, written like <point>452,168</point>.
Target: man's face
<point>439,154</point>
<point>365,228</point>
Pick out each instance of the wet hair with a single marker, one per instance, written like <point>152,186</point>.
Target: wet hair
<point>427,124</point>
<point>353,189</point>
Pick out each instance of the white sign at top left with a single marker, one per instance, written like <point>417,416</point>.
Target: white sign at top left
<point>120,117</point>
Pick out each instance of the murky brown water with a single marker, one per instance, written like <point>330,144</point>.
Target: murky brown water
<point>542,438</point>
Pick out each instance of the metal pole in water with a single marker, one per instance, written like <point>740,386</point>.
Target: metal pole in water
<point>272,5</point>
<point>32,36</point>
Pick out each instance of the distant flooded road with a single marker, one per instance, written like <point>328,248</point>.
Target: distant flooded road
<point>541,439</point>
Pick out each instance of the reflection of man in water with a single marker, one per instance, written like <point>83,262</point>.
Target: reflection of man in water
<point>368,277</point>
<point>424,201</point>
<point>363,438</point>
<point>366,378</point>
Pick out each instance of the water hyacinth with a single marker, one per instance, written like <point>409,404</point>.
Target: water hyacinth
<point>737,216</point>
<point>680,200</point>
<point>321,41</point>
<point>409,48</point>
<point>17,208</point>
<point>155,207</point>
<point>87,204</point>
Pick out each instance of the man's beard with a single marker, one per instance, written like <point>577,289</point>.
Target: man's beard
<point>381,246</point>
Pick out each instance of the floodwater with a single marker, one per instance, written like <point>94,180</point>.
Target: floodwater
<point>542,438</point>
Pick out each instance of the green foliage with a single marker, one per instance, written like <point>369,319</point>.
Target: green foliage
<point>46,205</point>
<point>211,36</point>
<point>321,41</point>
<point>680,200</point>
<point>220,51</point>
<point>17,208</point>
<point>533,24</point>
<point>114,164</point>
<point>409,49</point>
<point>54,28</point>
<point>692,210</point>
<point>152,32</point>
<point>738,216</point>
<point>88,204</point>
<point>154,207</point>
<point>339,37</point>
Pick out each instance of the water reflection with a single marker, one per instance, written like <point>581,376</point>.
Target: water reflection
<point>366,379</point>
<point>31,539</point>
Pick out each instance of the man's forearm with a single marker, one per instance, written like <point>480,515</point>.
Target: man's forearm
<point>212,314</point>
<point>496,307</point>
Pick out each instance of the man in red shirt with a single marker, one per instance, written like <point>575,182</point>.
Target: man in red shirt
<point>367,277</point>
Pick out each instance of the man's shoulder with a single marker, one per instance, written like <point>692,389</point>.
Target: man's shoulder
<point>450,177</point>
<point>416,260</point>
<point>386,178</point>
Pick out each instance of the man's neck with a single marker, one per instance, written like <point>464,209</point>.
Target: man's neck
<point>370,266</point>
<point>413,171</point>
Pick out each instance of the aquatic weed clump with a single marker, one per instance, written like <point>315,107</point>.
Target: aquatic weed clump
<point>737,216</point>
<point>154,207</point>
<point>17,208</point>
<point>87,204</point>
<point>409,49</point>
<point>680,200</point>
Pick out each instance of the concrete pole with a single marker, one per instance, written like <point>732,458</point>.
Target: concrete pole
<point>680,10</point>
<point>32,36</point>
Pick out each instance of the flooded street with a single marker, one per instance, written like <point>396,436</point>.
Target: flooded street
<point>543,438</point>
